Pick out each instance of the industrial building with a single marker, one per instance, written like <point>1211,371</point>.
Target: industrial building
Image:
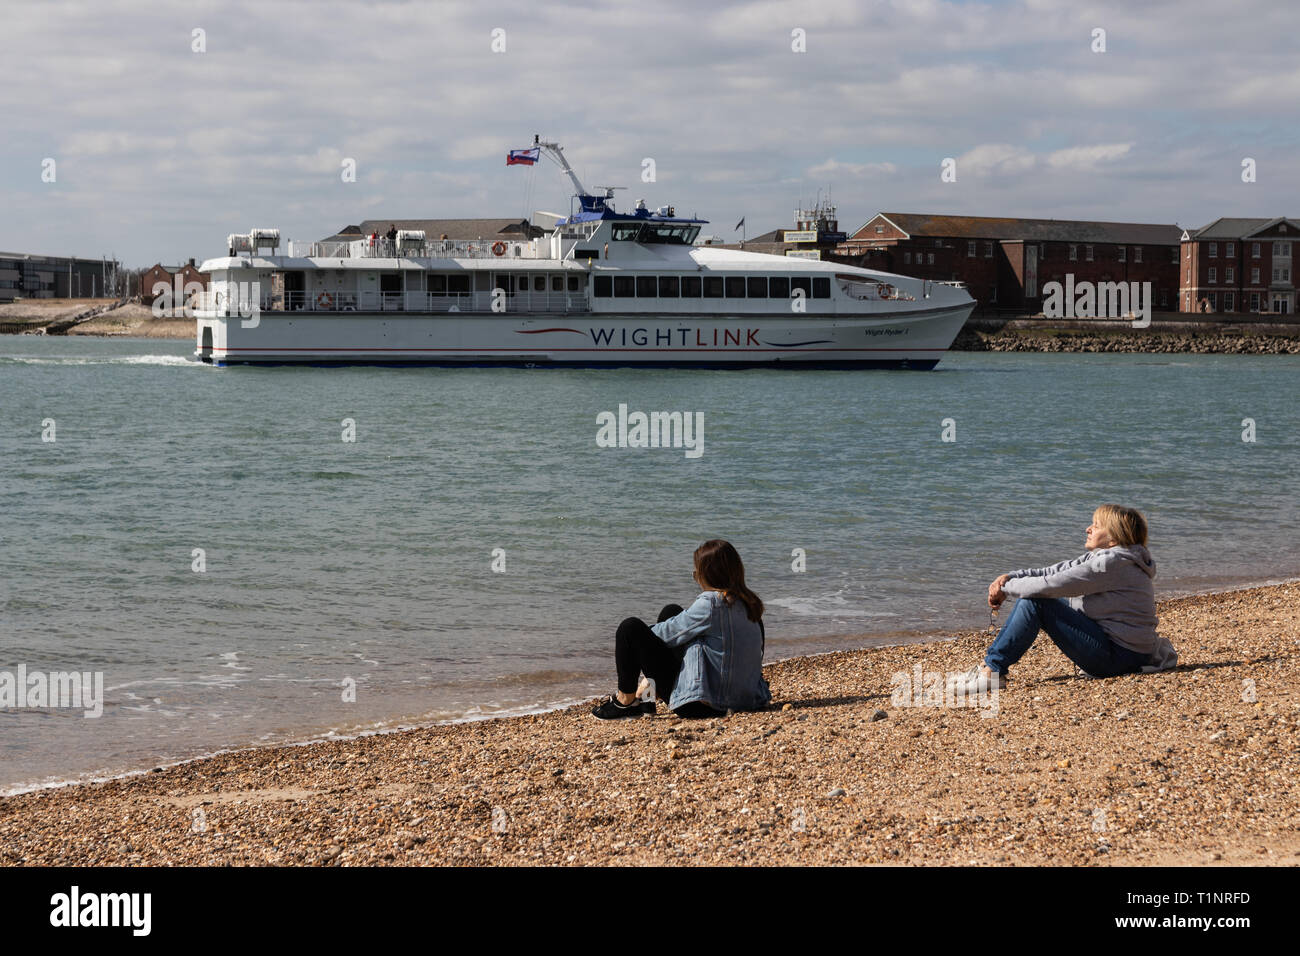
<point>27,276</point>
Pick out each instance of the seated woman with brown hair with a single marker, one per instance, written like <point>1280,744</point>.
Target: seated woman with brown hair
<point>704,660</point>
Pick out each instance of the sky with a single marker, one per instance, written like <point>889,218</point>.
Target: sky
<point>127,133</point>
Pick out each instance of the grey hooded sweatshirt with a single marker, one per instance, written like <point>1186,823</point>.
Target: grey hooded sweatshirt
<point>1113,586</point>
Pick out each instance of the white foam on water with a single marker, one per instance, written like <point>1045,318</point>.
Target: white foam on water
<point>831,606</point>
<point>174,361</point>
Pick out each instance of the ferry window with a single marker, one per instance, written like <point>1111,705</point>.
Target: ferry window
<point>523,283</point>
<point>604,287</point>
<point>622,231</point>
<point>586,253</point>
<point>646,286</point>
<point>691,287</point>
<point>803,283</point>
<point>662,232</point>
<point>691,233</point>
<point>573,283</point>
<point>539,283</point>
<point>735,287</point>
<point>756,286</point>
<point>624,287</point>
<point>458,285</point>
<point>713,287</point>
<point>821,287</point>
<point>437,284</point>
<point>779,287</point>
<point>557,283</point>
<point>668,287</point>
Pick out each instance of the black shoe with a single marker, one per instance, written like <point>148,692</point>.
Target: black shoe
<point>611,709</point>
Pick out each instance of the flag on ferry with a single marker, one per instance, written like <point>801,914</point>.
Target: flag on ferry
<point>525,157</point>
<point>739,224</point>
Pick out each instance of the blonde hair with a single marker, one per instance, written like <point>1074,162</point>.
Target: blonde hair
<point>1126,526</point>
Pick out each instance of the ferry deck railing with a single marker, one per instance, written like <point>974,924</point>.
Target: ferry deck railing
<point>396,302</point>
<point>383,248</point>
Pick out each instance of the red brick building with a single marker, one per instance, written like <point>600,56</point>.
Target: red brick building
<point>1006,262</point>
<point>1239,265</point>
<point>160,273</point>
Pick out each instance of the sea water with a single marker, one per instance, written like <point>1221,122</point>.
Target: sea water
<point>250,555</point>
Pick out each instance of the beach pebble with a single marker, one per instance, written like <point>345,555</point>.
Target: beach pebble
<point>837,792</point>
<point>787,707</point>
<point>877,714</point>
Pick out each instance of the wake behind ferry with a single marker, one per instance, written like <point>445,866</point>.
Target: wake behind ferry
<point>601,288</point>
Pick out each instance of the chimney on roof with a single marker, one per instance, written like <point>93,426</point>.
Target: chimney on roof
<point>191,263</point>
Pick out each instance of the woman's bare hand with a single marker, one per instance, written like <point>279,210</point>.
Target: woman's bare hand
<point>996,594</point>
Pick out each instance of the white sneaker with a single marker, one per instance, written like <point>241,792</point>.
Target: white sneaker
<point>975,682</point>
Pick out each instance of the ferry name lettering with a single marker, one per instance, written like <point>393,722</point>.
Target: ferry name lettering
<point>664,337</point>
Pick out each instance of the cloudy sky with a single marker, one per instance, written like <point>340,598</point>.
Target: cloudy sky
<point>161,151</point>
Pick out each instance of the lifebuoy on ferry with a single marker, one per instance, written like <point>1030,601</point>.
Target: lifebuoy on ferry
<point>883,290</point>
<point>498,248</point>
<point>324,301</point>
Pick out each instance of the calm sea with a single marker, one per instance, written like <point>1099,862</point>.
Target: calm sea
<point>369,564</point>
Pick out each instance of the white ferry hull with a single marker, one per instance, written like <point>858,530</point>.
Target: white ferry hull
<point>915,338</point>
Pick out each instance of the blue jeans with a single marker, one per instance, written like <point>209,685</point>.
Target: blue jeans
<point>1079,637</point>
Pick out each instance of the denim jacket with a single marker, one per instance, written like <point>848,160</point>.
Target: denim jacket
<point>723,663</point>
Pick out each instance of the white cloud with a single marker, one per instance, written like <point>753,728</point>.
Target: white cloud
<point>1003,159</point>
<point>834,168</point>
<point>1087,157</point>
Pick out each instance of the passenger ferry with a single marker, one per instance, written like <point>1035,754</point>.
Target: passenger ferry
<point>601,288</point>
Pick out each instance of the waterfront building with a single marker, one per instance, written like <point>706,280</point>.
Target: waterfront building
<point>1236,265</point>
<point>1004,262</point>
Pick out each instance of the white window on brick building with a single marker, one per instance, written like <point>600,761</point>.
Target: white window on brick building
<point>1229,302</point>
<point>1230,250</point>
<point>988,250</point>
<point>970,249</point>
<point>1254,302</point>
<point>1214,275</point>
<point>1214,250</point>
<point>929,259</point>
<point>1087,253</point>
<point>1074,253</point>
<point>907,258</point>
<point>1123,254</point>
<point>1254,252</point>
<point>1137,253</point>
<point>1281,274</point>
<point>1254,276</point>
<point>880,230</point>
<point>1228,274</point>
<point>1173,255</point>
<point>1214,302</point>
<point>1281,250</point>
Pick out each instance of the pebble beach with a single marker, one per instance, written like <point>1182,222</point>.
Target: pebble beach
<point>1194,766</point>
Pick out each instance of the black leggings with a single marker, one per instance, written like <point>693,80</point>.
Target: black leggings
<point>638,651</point>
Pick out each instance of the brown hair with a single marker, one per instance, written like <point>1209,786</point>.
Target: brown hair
<point>1126,526</point>
<point>718,565</point>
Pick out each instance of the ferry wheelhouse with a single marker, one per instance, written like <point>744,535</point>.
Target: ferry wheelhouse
<point>602,288</point>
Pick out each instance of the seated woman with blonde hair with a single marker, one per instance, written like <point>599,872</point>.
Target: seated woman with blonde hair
<point>1098,608</point>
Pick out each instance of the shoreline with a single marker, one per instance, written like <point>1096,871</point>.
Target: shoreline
<point>537,770</point>
<point>894,639</point>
